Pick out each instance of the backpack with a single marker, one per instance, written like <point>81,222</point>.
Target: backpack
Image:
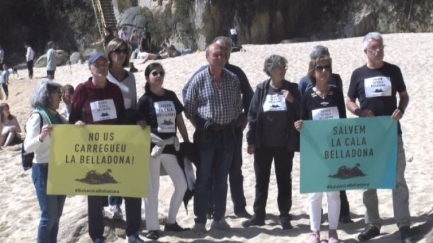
<point>27,158</point>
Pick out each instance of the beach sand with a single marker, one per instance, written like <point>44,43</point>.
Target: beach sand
<point>19,208</point>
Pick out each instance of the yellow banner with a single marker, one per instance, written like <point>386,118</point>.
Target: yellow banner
<point>99,160</point>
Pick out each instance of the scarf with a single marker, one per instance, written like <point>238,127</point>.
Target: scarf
<point>50,117</point>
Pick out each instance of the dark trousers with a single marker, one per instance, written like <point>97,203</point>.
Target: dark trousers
<point>283,159</point>
<point>344,208</point>
<point>5,90</point>
<point>215,162</point>
<point>50,74</point>
<point>236,179</point>
<point>234,39</point>
<point>30,68</point>
<point>96,219</point>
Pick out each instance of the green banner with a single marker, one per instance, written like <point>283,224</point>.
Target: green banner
<point>344,154</point>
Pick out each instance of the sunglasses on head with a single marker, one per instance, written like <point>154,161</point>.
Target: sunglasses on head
<point>320,68</point>
<point>155,73</point>
<point>121,51</point>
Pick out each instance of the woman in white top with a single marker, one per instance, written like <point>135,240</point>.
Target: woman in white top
<point>118,54</point>
<point>45,101</point>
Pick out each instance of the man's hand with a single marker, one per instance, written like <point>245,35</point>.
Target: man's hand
<point>142,124</point>
<point>251,149</point>
<point>80,123</point>
<point>364,113</point>
<point>397,114</point>
<point>298,125</point>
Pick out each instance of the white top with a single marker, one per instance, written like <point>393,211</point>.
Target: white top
<point>128,88</point>
<point>66,111</point>
<point>30,54</point>
<point>32,143</point>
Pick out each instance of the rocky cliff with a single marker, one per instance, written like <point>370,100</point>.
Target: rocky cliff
<point>194,23</point>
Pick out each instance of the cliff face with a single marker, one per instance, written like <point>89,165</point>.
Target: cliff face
<point>271,21</point>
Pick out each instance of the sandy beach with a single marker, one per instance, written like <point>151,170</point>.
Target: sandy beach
<point>411,52</point>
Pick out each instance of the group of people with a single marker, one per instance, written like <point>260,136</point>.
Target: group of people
<point>219,102</point>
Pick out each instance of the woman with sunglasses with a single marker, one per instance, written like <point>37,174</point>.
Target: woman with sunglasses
<point>45,101</point>
<point>162,110</point>
<point>271,137</point>
<point>322,97</point>
<point>118,56</point>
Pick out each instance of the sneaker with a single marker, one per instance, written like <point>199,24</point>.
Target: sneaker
<point>285,223</point>
<point>220,225</point>
<point>134,239</point>
<point>174,227</point>
<point>153,235</point>
<point>315,237</point>
<point>199,228</point>
<point>254,221</point>
<point>332,236</point>
<point>406,235</point>
<point>117,212</point>
<point>243,214</point>
<point>369,232</point>
<point>100,240</point>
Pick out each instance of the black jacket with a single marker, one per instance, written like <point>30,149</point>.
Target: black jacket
<point>255,115</point>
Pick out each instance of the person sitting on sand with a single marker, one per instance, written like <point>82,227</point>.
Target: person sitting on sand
<point>11,127</point>
<point>322,96</point>
<point>45,101</point>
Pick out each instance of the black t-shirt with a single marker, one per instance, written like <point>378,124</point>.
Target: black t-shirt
<point>160,114</point>
<point>274,125</point>
<point>376,88</point>
<point>313,107</point>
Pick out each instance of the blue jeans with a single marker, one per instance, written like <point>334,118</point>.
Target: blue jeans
<point>215,162</point>
<point>236,179</point>
<point>51,206</point>
<point>115,201</point>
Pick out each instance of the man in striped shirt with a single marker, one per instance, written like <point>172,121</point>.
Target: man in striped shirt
<point>213,104</point>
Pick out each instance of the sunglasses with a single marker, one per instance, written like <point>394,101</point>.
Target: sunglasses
<point>155,73</point>
<point>320,68</point>
<point>121,51</point>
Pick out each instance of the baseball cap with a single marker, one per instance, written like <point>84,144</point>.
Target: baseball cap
<point>95,56</point>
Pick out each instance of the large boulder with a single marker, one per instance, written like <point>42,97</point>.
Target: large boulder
<point>62,59</point>
<point>135,18</point>
<point>75,58</point>
<point>88,52</point>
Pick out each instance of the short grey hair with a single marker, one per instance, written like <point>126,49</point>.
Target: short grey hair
<point>227,42</point>
<point>41,94</point>
<point>371,36</point>
<point>272,62</point>
<point>318,51</point>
